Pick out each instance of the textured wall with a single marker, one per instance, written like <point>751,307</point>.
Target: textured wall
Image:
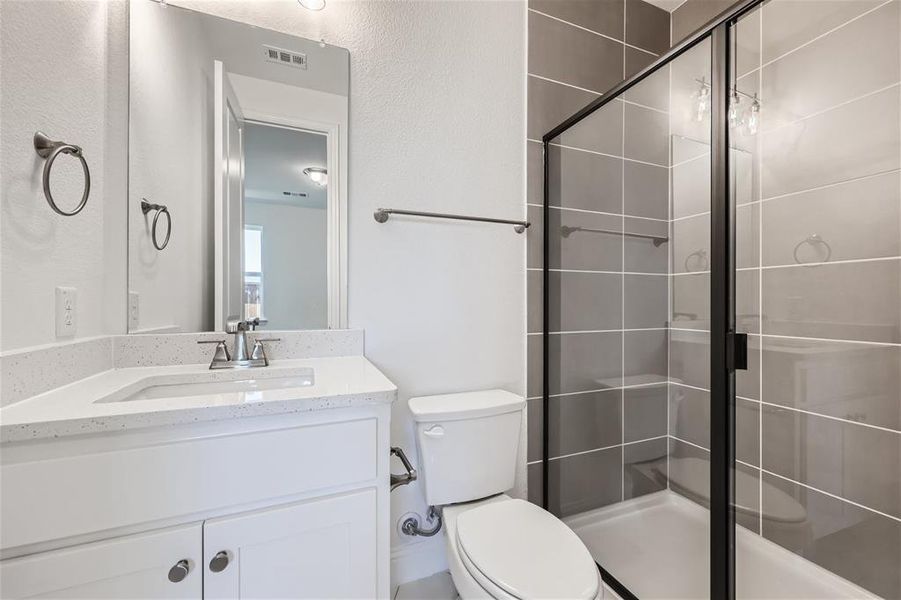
<point>48,87</point>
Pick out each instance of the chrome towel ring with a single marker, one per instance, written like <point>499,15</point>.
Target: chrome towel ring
<point>50,149</point>
<point>813,239</point>
<point>146,207</point>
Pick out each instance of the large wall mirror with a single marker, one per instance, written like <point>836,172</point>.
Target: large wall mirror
<point>237,175</point>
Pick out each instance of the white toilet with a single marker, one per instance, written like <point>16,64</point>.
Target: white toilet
<point>497,546</point>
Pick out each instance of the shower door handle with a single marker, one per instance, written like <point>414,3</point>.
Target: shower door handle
<point>740,351</point>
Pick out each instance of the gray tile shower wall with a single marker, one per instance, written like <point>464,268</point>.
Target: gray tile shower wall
<point>819,284</point>
<point>608,303</point>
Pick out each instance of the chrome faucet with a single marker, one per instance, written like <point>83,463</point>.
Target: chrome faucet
<point>239,358</point>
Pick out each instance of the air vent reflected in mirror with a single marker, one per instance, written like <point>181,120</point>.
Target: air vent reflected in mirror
<point>285,57</point>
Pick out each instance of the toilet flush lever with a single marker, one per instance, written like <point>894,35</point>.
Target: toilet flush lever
<point>435,431</point>
<point>409,476</point>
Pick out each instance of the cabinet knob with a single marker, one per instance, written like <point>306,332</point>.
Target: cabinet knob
<point>219,562</point>
<point>179,571</point>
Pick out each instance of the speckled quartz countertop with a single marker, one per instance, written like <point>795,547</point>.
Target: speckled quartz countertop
<point>90,405</point>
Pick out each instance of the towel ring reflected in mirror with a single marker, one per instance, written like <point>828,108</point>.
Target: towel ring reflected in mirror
<point>146,207</point>
<point>813,240</point>
<point>49,149</point>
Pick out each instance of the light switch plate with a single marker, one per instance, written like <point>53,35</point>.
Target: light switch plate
<point>134,315</point>
<point>66,311</point>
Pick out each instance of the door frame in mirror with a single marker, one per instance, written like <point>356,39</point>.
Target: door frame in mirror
<point>273,103</point>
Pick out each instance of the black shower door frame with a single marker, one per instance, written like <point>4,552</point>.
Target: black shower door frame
<point>727,349</point>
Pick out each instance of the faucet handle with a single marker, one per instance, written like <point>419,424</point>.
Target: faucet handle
<point>221,354</point>
<point>259,352</point>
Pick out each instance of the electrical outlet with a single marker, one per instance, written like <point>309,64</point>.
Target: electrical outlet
<point>66,311</point>
<point>134,303</point>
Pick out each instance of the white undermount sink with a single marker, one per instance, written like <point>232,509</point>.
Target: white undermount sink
<point>212,383</point>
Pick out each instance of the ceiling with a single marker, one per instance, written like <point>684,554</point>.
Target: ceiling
<point>274,160</point>
<point>667,5</point>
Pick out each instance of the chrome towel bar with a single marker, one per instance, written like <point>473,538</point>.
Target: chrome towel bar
<point>146,207</point>
<point>49,150</point>
<point>381,215</point>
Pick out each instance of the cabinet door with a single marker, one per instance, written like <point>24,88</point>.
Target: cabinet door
<point>322,548</point>
<point>136,566</point>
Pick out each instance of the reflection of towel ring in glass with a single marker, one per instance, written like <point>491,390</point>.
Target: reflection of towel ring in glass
<point>49,150</point>
<point>702,257</point>
<point>813,239</point>
<point>146,207</point>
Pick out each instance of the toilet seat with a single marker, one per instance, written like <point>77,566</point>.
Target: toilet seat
<point>515,549</point>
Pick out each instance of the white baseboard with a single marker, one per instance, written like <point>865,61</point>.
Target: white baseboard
<point>417,559</point>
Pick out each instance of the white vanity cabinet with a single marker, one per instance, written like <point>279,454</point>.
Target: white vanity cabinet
<point>320,549</point>
<point>282,506</point>
<point>135,566</point>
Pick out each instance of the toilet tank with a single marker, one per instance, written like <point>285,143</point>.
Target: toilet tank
<point>468,444</point>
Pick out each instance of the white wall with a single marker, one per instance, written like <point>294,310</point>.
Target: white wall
<point>437,114</point>
<point>46,85</point>
<point>294,264</point>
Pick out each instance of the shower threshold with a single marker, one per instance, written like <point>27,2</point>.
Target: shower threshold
<point>657,546</point>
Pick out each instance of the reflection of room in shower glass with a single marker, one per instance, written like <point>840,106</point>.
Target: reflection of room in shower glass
<point>253,272</point>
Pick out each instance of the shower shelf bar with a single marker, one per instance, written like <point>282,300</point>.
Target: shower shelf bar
<point>381,215</point>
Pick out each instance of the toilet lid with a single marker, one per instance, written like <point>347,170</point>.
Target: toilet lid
<point>526,551</point>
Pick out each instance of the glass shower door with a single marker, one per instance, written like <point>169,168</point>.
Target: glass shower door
<point>815,117</point>
<point>627,310</point>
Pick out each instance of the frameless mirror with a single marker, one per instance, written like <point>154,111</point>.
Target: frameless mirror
<point>237,175</point>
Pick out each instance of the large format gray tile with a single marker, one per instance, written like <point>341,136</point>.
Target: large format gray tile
<point>853,301</point>
<point>689,415</point>
<point>534,429</point>
<point>585,481</point>
<point>578,423</point>
<point>647,26</point>
<point>687,73</point>
<point>578,301</point>
<point>857,382</point>
<point>854,140</point>
<point>691,301</point>
<point>550,103</point>
<point>643,255</point>
<point>571,55</point>
<point>689,362</point>
<point>602,17</point>
<point>691,241</point>
<point>601,131</point>
<point>645,190</point>
<point>585,180</point>
<point>646,135</point>
<point>644,468</point>
<point>747,43</point>
<point>856,462</point>
<point>691,179</point>
<point>581,422</point>
<point>644,412</point>
<point>857,219</point>
<point>578,362</point>
<point>653,91</point>
<point>534,172</point>
<point>857,59</point>
<point>573,244</point>
<point>636,60</point>
<point>534,475</point>
<point>861,546</point>
<point>788,24</point>
<point>645,356</point>
<point>646,301</point>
